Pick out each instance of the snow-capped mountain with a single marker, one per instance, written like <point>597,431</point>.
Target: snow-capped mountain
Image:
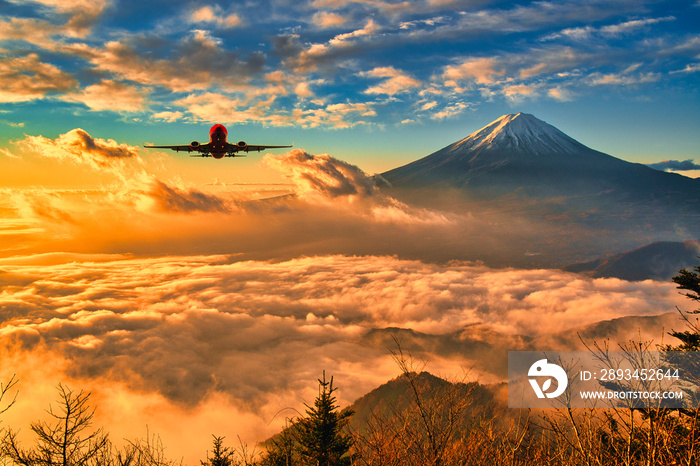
<point>520,153</point>
<point>521,133</point>
<point>538,197</point>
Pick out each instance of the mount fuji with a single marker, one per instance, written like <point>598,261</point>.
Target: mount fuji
<point>521,155</point>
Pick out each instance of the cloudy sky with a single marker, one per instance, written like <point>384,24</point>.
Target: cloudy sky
<point>213,293</point>
<point>194,310</point>
<point>376,83</point>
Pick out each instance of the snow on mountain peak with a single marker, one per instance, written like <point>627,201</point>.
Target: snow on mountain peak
<point>519,133</point>
<point>522,154</point>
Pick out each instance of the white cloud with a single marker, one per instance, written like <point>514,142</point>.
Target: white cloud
<point>200,324</point>
<point>450,111</point>
<point>322,177</point>
<point>200,53</point>
<point>632,25</point>
<point>249,105</point>
<point>8,153</point>
<point>216,16</point>
<point>339,115</point>
<point>396,81</point>
<point>27,78</point>
<point>326,19</point>
<point>134,189</point>
<point>30,30</point>
<point>82,14</point>
<point>689,68</point>
<point>78,146</point>
<point>72,6</point>
<point>342,40</point>
<point>481,70</point>
<point>612,30</point>
<point>622,79</point>
<point>517,92</point>
<point>309,57</point>
<point>219,342</point>
<point>110,96</point>
<point>533,71</point>
<point>576,33</point>
<point>561,93</point>
<point>303,90</point>
<point>168,116</point>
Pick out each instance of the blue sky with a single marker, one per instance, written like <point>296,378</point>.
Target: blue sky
<point>376,83</point>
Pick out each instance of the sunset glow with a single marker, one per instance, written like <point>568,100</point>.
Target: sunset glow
<point>195,296</point>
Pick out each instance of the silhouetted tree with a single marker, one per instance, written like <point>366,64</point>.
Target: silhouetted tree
<point>690,339</point>
<point>280,451</point>
<point>66,441</point>
<point>221,455</point>
<point>690,281</point>
<point>6,404</point>
<point>676,433</point>
<point>320,436</point>
<point>148,451</point>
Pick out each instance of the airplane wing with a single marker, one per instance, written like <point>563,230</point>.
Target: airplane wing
<point>204,148</point>
<point>231,149</point>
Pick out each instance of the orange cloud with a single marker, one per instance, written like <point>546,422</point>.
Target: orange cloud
<point>395,83</point>
<point>82,13</point>
<point>326,19</point>
<point>195,53</point>
<point>322,176</point>
<point>26,78</point>
<point>278,290</point>
<point>110,95</point>
<point>78,146</point>
<point>171,199</point>
<point>188,328</point>
<point>481,70</point>
<point>215,15</point>
<point>344,115</point>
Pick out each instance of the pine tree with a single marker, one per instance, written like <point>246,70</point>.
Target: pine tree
<point>690,338</point>
<point>321,441</point>
<point>221,455</point>
<point>66,441</point>
<point>281,449</point>
<point>685,427</point>
<point>690,281</point>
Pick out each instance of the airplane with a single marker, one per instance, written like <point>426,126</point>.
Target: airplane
<point>217,146</point>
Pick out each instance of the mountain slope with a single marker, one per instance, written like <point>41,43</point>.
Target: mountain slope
<point>657,261</point>
<point>397,399</point>
<point>522,154</point>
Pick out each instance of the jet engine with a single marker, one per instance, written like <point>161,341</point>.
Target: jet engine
<point>242,145</point>
<point>194,145</point>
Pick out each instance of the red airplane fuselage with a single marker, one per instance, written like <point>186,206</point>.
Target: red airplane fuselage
<point>217,141</point>
<point>217,146</point>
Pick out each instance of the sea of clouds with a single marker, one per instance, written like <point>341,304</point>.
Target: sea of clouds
<point>190,312</point>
